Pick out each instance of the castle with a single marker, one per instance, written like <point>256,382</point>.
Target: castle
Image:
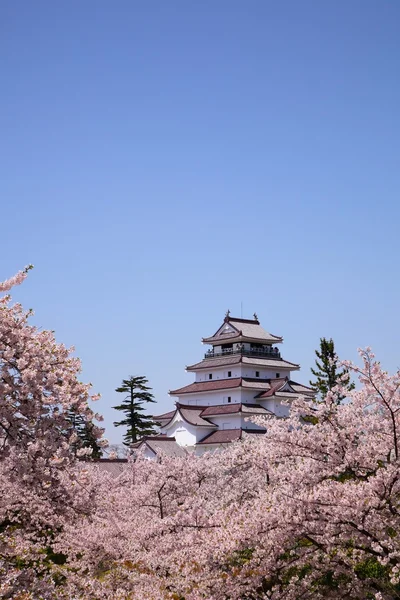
<point>242,375</point>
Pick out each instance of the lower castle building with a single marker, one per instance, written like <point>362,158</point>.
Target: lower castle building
<point>242,375</point>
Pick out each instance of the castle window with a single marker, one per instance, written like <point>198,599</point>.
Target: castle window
<point>278,375</point>
<point>210,376</point>
<point>229,399</point>
<point>257,373</point>
<point>229,373</point>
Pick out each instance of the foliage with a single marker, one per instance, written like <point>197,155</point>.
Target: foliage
<point>86,434</point>
<point>309,510</point>
<point>305,511</point>
<point>137,423</point>
<point>327,373</point>
<point>40,489</point>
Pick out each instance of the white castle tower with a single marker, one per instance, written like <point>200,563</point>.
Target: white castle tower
<point>241,375</point>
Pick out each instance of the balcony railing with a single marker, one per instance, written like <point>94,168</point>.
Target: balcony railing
<point>238,349</point>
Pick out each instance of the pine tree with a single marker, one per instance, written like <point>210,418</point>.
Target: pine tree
<point>138,424</point>
<point>326,372</point>
<point>85,433</point>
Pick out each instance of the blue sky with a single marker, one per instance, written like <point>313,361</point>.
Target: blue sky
<point>162,162</point>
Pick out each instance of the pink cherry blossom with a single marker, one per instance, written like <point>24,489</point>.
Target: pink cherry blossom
<point>310,510</point>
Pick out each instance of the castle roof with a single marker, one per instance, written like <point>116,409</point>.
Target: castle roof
<point>193,415</point>
<point>227,360</point>
<point>241,330</point>
<point>164,418</point>
<point>113,466</point>
<point>286,389</point>
<point>190,414</point>
<point>266,387</point>
<point>253,383</point>
<point>237,407</point>
<point>225,436</point>
<point>208,386</point>
<point>161,443</point>
<point>198,415</point>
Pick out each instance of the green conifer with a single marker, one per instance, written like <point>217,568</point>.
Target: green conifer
<point>327,373</point>
<point>85,432</point>
<point>137,423</point>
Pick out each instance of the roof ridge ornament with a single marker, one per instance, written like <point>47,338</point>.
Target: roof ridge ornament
<point>255,316</point>
<point>227,315</point>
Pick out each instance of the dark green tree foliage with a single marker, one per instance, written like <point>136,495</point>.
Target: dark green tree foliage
<point>137,423</point>
<point>327,373</point>
<point>85,433</point>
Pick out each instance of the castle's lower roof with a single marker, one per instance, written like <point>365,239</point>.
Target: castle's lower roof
<point>161,444</point>
<point>238,407</point>
<point>198,415</point>
<point>208,386</point>
<point>226,436</point>
<point>252,383</point>
<point>287,389</point>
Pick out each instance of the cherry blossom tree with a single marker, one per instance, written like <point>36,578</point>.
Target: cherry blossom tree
<point>309,510</point>
<point>41,489</point>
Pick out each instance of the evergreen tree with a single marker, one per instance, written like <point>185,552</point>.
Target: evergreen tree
<point>85,432</point>
<point>326,372</point>
<point>138,424</point>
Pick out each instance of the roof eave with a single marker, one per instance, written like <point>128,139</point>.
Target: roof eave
<point>242,338</point>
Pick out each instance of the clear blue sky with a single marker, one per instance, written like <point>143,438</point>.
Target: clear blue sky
<point>162,162</point>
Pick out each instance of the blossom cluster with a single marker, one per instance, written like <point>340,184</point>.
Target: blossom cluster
<point>308,510</point>
<point>40,488</point>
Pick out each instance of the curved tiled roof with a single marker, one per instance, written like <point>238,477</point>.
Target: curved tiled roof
<point>164,418</point>
<point>266,387</point>
<point>225,436</point>
<point>227,361</point>
<point>191,415</point>
<point>208,386</point>
<point>286,389</point>
<point>229,409</point>
<point>219,361</point>
<point>242,329</point>
<point>113,466</point>
<point>167,446</point>
<point>252,383</point>
<point>302,389</point>
<point>275,363</point>
<point>156,443</point>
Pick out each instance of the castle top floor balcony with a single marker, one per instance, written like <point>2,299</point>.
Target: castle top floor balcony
<point>244,350</point>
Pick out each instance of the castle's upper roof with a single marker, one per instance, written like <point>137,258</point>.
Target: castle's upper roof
<point>235,330</point>
<point>227,360</point>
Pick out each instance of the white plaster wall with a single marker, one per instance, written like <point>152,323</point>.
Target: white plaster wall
<point>148,454</point>
<point>241,371</point>
<point>247,396</point>
<point>250,371</point>
<point>246,424</point>
<point>210,398</point>
<point>268,403</point>
<point>276,407</point>
<point>226,421</point>
<point>218,373</point>
<point>184,433</point>
<point>200,450</point>
<point>281,410</point>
